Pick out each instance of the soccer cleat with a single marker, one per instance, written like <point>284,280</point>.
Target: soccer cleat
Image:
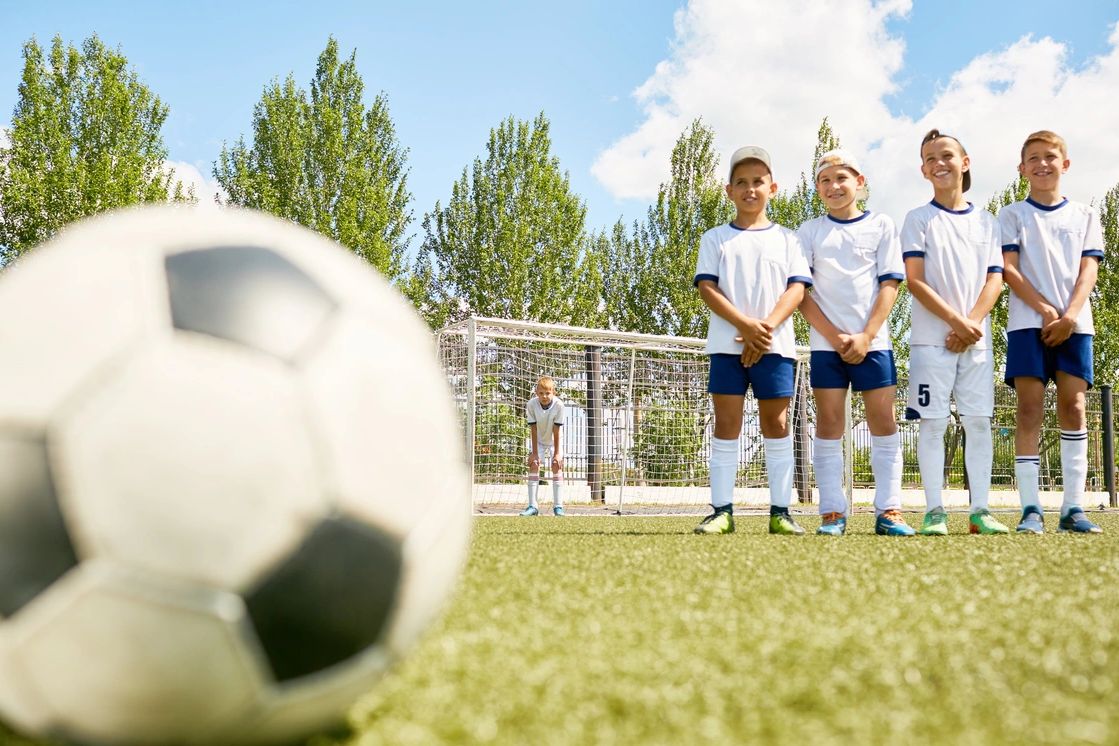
<point>982,522</point>
<point>890,523</point>
<point>834,524</point>
<point>782,523</point>
<point>1076,522</point>
<point>935,523</point>
<point>530,510</point>
<point>558,511</point>
<point>719,522</point>
<point>1032,522</point>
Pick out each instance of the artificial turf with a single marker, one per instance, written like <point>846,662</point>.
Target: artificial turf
<point>632,630</point>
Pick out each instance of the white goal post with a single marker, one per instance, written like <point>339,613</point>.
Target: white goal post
<point>638,424</point>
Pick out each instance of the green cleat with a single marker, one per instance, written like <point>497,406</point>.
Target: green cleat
<point>935,523</point>
<point>982,522</point>
<point>719,522</point>
<point>782,523</point>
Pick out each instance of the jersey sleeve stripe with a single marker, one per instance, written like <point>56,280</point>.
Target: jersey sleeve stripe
<point>798,278</point>
<point>1010,247</point>
<point>994,270</point>
<point>1096,253</point>
<point>913,255</point>
<point>891,276</point>
<point>700,278</point>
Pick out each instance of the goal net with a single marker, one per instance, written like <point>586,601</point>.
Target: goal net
<point>638,420</point>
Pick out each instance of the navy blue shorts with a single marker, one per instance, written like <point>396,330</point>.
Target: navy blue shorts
<point>772,376</point>
<point>876,371</point>
<point>1027,355</point>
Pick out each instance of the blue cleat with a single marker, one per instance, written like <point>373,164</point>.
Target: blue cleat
<point>1032,522</point>
<point>834,524</point>
<point>530,510</point>
<point>558,511</point>
<point>1076,522</point>
<point>890,523</point>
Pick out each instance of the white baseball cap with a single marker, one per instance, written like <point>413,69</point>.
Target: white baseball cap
<point>746,153</point>
<point>845,158</point>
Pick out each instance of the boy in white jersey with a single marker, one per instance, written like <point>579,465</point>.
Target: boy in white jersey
<point>953,264</point>
<point>1052,248</point>
<point>751,273</point>
<point>856,265</point>
<point>544,413</point>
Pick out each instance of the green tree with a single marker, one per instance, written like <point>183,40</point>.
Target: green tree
<point>327,162</point>
<point>85,137</point>
<point>511,242</point>
<point>1105,298</point>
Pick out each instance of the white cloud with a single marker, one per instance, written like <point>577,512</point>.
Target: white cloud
<point>768,73</point>
<point>204,189</point>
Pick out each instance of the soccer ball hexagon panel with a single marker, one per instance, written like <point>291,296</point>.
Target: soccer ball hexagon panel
<point>225,500</point>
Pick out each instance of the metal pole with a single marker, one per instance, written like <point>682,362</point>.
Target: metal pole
<point>1108,444</point>
<point>594,423</point>
<point>800,437</point>
<point>849,451</point>
<point>628,440</point>
<point>471,397</point>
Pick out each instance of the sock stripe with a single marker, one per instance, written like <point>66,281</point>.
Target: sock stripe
<point>1074,436</point>
<point>1028,459</point>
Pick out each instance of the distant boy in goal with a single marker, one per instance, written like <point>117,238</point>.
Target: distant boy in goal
<point>544,413</point>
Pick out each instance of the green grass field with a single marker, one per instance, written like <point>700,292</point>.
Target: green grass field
<point>631,630</point>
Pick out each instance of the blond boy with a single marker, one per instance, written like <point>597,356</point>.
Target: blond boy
<point>544,413</point>
<point>1052,248</point>
<point>751,273</point>
<point>953,265</point>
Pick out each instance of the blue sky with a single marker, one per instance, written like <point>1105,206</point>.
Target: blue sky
<point>620,80</point>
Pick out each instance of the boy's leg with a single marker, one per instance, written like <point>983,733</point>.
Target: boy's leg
<point>885,447</point>
<point>975,401</point>
<point>1071,416</point>
<point>1030,393</point>
<point>533,485</point>
<point>772,378</point>
<point>827,449</point>
<point>931,379</point>
<point>724,449</point>
<point>557,490</point>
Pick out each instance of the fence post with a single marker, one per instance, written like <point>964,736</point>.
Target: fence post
<point>800,437</point>
<point>594,423</point>
<point>471,397</point>
<point>1108,444</point>
<point>849,451</point>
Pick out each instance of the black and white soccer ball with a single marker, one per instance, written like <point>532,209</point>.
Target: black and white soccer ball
<point>232,484</point>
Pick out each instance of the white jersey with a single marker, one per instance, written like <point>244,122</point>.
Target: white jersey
<point>849,260</point>
<point>544,419</point>
<point>960,248</point>
<point>752,269</point>
<point>1050,242</point>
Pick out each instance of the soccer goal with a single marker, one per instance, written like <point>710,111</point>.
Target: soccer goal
<point>638,423</point>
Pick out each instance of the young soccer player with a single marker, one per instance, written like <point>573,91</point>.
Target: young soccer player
<point>1052,248</point>
<point>856,265</point>
<point>544,413</point>
<point>751,273</point>
<point>953,264</point>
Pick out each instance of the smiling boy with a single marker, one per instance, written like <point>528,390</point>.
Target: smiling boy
<point>1052,248</point>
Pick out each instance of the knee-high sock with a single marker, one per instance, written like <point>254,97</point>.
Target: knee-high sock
<point>779,468</point>
<point>533,483</point>
<point>930,459</point>
<point>724,469</point>
<point>1074,467</point>
<point>557,489</point>
<point>827,463</point>
<point>1025,474</point>
<point>978,453</point>
<point>885,462</point>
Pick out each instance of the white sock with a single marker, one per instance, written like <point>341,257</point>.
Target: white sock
<point>557,490</point>
<point>1025,474</point>
<point>533,483</point>
<point>1074,467</point>
<point>930,459</point>
<point>724,469</point>
<point>827,463</point>
<point>779,468</point>
<point>885,463</point>
<point>978,453</point>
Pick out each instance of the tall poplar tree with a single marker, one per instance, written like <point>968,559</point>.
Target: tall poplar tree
<point>326,161</point>
<point>85,137</point>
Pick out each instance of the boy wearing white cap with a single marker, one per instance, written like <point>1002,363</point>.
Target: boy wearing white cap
<point>856,266</point>
<point>751,273</point>
<point>953,264</point>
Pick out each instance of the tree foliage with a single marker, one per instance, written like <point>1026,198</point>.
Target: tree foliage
<point>510,243</point>
<point>326,161</point>
<point>1105,298</point>
<point>85,138</point>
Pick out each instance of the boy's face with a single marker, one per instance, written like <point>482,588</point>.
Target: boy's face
<point>838,187</point>
<point>545,393</point>
<point>1042,165</point>
<point>751,186</point>
<point>943,163</point>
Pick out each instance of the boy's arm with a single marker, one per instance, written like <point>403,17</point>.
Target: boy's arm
<point>987,299</point>
<point>968,331</point>
<point>1024,290</point>
<point>557,455</point>
<point>533,458</point>
<point>814,315</point>
<point>879,312</point>
<point>754,332</point>
<point>1057,331</point>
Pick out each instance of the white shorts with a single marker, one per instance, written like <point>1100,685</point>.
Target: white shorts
<point>544,451</point>
<point>935,374</point>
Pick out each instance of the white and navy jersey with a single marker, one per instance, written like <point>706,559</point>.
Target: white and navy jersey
<point>849,261</point>
<point>544,419</point>
<point>1050,242</point>
<point>960,248</point>
<point>752,269</point>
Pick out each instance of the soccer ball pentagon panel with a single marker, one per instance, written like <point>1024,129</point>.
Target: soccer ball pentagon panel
<point>233,485</point>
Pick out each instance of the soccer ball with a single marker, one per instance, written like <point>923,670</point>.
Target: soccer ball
<point>232,481</point>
